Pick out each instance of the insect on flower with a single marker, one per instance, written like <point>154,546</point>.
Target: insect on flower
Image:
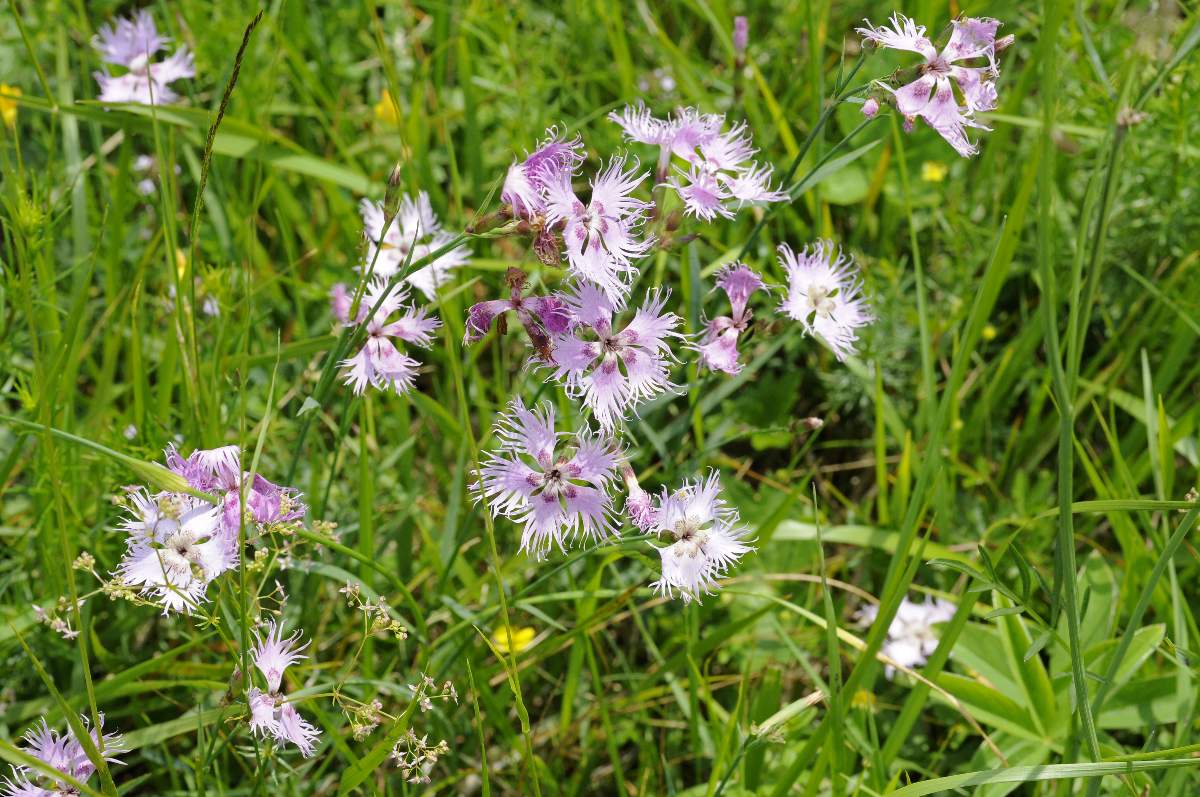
<point>704,538</point>
<point>931,95</point>
<point>558,492</point>
<point>718,347</point>
<point>613,370</point>
<point>379,363</point>
<point>415,233</point>
<point>825,295</point>
<point>131,43</point>
<point>63,753</point>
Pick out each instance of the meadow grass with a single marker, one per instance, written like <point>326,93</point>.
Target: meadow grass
<point>1016,434</point>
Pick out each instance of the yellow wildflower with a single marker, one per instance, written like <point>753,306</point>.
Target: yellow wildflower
<point>518,638</point>
<point>863,700</point>
<point>386,110</point>
<point>934,171</point>
<point>8,104</point>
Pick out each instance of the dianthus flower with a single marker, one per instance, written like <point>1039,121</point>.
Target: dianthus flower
<point>541,316</point>
<point>379,362</point>
<point>705,538</point>
<point>718,347</point>
<point>130,44</point>
<point>931,95</point>
<point>614,371</point>
<point>414,234</point>
<point>600,237</point>
<point>526,183</point>
<point>219,471</point>
<point>911,638</point>
<point>176,546</point>
<point>719,175</point>
<point>63,753</point>
<point>270,713</point>
<point>557,491</point>
<point>639,504</point>
<point>825,295</point>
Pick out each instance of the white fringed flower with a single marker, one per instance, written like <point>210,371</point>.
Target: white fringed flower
<point>176,547</point>
<point>706,538</point>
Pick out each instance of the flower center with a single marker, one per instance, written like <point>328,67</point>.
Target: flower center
<point>820,300</point>
<point>936,66</point>
<point>179,552</point>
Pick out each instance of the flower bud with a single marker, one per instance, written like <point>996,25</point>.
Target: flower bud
<point>870,108</point>
<point>391,198</point>
<point>741,35</point>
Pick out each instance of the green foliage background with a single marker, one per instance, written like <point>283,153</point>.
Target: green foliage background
<point>1017,434</point>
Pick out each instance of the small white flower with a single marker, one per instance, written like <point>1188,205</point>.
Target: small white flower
<point>911,637</point>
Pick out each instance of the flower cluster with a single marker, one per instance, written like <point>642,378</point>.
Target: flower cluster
<point>270,713</point>
<point>130,44</point>
<point>719,176</point>
<point>911,638</point>
<point>931,94</point>
<point>177,543</point>
<point>377,613</point>
<point>613,355</point>
<point>63,753</point>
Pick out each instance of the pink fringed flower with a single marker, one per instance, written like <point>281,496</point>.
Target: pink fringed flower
<point>542,316</point>
<point>273,654</point>
<point>558,493</point>
<point>219,471</point>
<point>63,753</point>
<point>175,548</point>
<point>705,538</point>
<point>719,175</point>
<point>526,183</point>
<point>130,44</point>
<point>825,295</point>
<point>379,363</point>
<point>414,234</point>
<point>718,347</point>
<point>270,713</point>
<point>614,371</point>
<point>931,96</point>
<point>600,237</point>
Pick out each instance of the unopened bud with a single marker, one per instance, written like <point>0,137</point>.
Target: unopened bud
<point>1004,43</point>
<point>391,198</point>
<point>515,279</point>
<point>741,35</point>
<point>870,108</point>
<point>814,423</point>
<point>545,246</point>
